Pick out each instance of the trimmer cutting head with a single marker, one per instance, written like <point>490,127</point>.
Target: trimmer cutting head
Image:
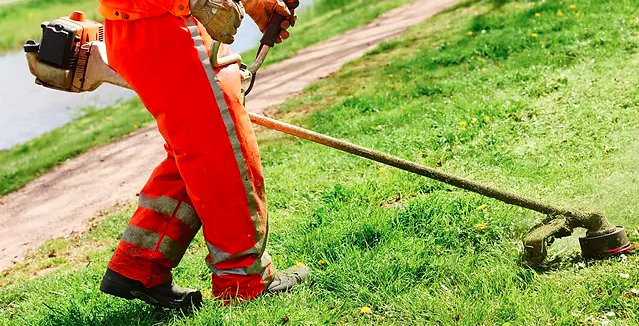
<point>601,241</point>
<point>602,246</point>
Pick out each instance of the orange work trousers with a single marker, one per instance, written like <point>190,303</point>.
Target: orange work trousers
<point>212,175</point>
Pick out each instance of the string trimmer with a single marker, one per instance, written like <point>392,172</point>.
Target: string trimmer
<point>71,57</point>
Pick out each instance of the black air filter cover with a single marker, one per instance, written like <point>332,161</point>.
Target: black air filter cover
<point>57,47</point>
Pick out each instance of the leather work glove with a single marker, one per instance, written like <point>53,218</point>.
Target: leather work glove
<point>221,18</point>
<point>261,10</point>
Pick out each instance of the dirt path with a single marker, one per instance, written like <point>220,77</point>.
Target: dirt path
<point>62,201</point>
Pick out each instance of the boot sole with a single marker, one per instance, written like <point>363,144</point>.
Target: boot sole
<point>191,300</point>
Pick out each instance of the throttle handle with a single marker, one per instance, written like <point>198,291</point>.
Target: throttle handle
<point>273,29</point>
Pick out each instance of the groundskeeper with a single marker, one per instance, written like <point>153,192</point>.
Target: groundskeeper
<point>212,175</point>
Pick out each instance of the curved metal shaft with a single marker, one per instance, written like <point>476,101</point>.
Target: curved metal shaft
<point>259,60</point>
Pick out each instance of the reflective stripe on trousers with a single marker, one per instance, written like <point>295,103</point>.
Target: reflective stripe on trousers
<point>217,255</point>
<point>170,248</point>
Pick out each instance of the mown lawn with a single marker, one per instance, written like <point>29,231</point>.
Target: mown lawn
<point>21,20</point>
<point>533,96</point>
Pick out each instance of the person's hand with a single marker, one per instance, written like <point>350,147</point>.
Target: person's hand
<point>262,10</point>
<point>221,18</point>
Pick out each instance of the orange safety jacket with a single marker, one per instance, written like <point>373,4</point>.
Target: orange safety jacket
<point>136,9</point>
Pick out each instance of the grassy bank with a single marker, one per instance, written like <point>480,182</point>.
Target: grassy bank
<point>537,97</point>
<point>25,162</point>
<point>20,21</point>
<point>326,19</point>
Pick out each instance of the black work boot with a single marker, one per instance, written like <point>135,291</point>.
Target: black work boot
<point>288,279</point>
<point>164,295</point>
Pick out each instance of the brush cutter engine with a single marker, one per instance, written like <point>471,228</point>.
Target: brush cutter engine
<point>59,60</point>
<point>71,56</point>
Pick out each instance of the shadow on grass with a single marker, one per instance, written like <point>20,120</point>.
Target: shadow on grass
<point>129,313</point>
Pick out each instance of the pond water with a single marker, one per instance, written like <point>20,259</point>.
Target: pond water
<point>28,110</point>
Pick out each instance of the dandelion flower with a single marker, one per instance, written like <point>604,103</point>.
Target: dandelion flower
<point>365,311</point>
<point>469,33</point>
<point>463,123</point>
<point>573,6</point>
<point>480,227</point>
<point>577,14</point>
<point>381,170</point>
<point>322,262</point>
<point>560,13</point>
<point>482,207</point>
<point>534,35</point>
<point>299,263</point>
<point>537,14</point>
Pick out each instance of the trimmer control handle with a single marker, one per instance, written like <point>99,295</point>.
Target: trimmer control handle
<point>272,31</point>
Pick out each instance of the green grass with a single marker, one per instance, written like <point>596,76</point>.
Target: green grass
<point>326,19</point>
<point>20,21</point>
<point>553,116</point>
<point>25,162</point>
